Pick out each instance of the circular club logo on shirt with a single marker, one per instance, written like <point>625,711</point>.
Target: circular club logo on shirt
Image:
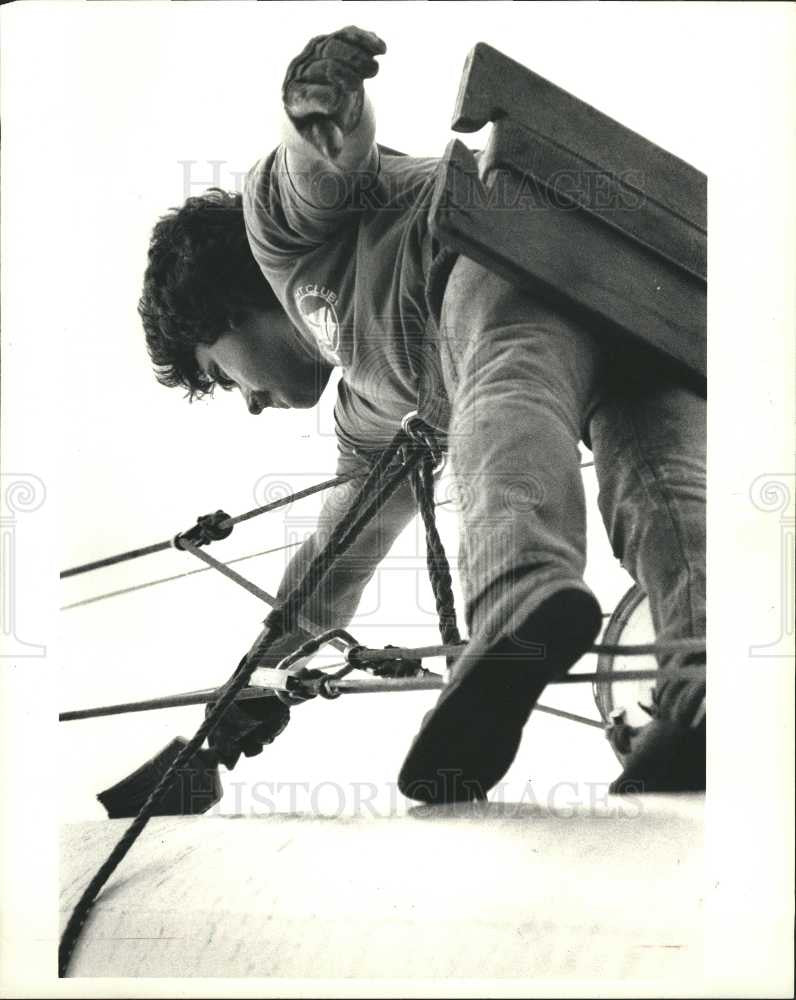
<point>315,304</point>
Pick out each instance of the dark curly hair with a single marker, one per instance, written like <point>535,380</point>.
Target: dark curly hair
<point>200,281</point>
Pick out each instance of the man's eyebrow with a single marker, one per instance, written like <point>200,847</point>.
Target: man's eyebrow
<point>218,376</point>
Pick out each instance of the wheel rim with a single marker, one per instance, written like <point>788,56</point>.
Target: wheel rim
<point>610,691</point>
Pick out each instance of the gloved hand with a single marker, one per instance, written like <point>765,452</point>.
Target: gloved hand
<point>246,727</point>
<point>398,668</point>
<point>323,91</point>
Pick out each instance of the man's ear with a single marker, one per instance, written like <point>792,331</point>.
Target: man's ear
<point>239,317</point>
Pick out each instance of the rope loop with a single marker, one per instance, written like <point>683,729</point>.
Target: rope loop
<point>208,528</point>
<point>422,434</point>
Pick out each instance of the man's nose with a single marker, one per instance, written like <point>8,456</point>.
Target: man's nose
<point>253,405</point>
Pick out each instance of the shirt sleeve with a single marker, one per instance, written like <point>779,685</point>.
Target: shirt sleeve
<point>282,225</point>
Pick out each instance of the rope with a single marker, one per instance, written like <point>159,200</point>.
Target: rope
<point>436,559</point>
<point>277,623</point>
<point>227,522</point>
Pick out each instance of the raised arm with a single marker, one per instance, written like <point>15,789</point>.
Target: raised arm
<point>330,124</point>
<point>336,600</point>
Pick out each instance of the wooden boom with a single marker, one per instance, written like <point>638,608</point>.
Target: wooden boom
<point>576,207</point>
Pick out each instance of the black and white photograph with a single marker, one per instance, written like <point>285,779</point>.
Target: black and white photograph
<point>397,435</point>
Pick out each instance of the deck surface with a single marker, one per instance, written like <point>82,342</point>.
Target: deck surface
<point>611,892</point>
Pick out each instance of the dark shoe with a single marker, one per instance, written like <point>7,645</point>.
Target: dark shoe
<point>668,754</point>
<point>469,740</point>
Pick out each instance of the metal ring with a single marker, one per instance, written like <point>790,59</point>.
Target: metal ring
<point>326,692</point>
<point>405,420</point>
<point>351,653</point>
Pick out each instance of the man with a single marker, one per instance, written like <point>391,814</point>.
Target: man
<point>339,228</point>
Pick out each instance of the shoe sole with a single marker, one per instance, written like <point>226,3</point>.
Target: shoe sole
<point>471,737</point>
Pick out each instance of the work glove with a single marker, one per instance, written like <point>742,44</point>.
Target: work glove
<point>323,90</point>
<point>247,726</point>
<point>195,787</point>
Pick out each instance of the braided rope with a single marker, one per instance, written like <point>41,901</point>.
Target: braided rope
<point>277,623</point>
<point>436,559</point>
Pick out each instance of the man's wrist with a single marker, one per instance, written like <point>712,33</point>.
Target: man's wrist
<point>306,166</point>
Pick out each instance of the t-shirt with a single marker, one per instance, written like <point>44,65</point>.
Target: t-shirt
<point>352,278</point>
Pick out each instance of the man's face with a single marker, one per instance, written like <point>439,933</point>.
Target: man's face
<point>264,360</point>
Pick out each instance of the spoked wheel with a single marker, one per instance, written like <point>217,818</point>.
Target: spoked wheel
<point>630,623</point>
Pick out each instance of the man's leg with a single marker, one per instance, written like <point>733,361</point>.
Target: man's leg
<point>649,451</point>
<point>520,379</point>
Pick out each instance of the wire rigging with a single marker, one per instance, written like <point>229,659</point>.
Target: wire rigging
<point>176,576</point>
<point>227,522</point>
<point>162,546</point>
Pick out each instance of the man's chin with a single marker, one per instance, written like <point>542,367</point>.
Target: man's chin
<point>302,402</point>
